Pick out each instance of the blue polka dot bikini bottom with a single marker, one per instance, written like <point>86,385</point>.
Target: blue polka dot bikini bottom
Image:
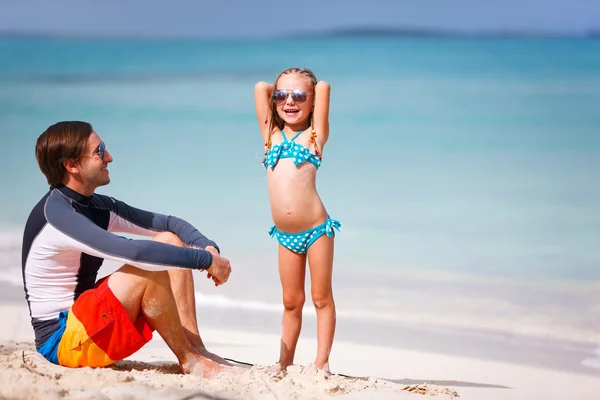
<point>301,241</point>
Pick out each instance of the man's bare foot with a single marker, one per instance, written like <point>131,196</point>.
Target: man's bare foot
<point>212,356</point>
<point>208,369</point>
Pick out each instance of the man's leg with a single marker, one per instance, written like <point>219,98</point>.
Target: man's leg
<point>150,294</point>
<point>182,284</point>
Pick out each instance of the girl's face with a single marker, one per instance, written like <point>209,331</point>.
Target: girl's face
<point>293,110</point>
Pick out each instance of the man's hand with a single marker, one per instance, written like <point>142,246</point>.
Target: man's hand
<point>220,268</point>
<point>212,250</point>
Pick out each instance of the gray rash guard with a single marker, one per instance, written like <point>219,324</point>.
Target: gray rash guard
<point>68,236</point>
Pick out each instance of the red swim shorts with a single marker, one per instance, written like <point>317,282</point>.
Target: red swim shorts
<point>99,332</point>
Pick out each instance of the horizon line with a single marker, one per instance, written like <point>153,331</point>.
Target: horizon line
<point>340,32</point>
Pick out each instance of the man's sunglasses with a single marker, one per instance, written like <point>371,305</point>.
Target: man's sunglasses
<point>281,95</point>
<point>101,150</point>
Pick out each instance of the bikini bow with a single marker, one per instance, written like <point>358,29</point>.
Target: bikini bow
<point>330,224</point>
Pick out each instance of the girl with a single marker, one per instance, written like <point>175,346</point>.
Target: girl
<point>293,116</point>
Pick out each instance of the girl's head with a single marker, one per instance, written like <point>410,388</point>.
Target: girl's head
<point>293,98</point>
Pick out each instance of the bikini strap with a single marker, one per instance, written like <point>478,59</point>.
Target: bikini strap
<point>295,136</point>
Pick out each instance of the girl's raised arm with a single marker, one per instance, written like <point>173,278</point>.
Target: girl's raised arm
<point>262,95</point>
<point>321,112</point>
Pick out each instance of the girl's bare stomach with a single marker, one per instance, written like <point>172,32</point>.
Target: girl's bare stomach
<point>295,203</point>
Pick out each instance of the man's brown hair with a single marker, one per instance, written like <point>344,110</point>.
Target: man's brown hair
<point>61,142</point>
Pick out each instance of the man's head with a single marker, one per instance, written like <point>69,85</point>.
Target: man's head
<point>69,152</point>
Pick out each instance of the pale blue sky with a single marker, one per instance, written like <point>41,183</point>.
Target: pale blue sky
<point>270,18</point>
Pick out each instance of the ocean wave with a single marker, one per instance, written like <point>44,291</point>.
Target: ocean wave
<point>11,240</point>
<point>524,326</point>
<point>12,276</point>
<point>221,301</point>
<point>592,362</point>
<point>533,325</point>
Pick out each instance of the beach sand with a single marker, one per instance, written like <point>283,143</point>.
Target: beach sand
<point>369,372</point>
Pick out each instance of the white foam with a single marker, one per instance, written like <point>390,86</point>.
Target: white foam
<point>10,261</point>
<point>505,325</point>
<point>10,256</point>
<point>591,363</point>
<point>12,275</point>
<point>11,239</point>
<point>226,302</point>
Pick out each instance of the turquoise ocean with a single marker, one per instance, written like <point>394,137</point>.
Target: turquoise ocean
<point>464,172</point>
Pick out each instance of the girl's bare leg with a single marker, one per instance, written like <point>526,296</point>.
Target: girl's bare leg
<point>292,272</point>
<point>320,260</point>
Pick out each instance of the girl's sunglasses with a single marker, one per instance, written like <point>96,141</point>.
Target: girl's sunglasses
<point>281,95</point>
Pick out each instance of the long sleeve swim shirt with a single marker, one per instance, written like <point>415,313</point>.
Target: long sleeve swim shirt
<point>68,236</point>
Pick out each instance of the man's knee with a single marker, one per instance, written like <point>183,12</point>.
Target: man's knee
<point>169,238</point>
<point>129,284</point>
<point>129,281</point>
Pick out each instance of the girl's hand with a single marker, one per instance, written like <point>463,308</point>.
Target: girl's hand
<point>264,86</point>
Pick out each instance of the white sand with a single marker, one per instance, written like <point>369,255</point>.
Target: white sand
<point>153,374</point>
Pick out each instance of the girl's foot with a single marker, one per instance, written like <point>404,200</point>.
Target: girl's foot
<point>277,368</point>
<point>323,367</point>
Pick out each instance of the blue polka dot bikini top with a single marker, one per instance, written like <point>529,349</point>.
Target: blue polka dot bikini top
<point>291,149</point>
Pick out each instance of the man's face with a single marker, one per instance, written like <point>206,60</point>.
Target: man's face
<point>93,168</point>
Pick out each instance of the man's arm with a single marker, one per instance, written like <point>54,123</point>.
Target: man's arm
<point>128,219</point>
<point>75,231</point>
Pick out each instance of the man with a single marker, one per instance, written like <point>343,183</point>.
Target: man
<point>80,322</point>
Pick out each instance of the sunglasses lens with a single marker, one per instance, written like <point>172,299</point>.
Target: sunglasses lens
<point>299,96</point>
<point>279,96</point>
<point>101,149</point>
